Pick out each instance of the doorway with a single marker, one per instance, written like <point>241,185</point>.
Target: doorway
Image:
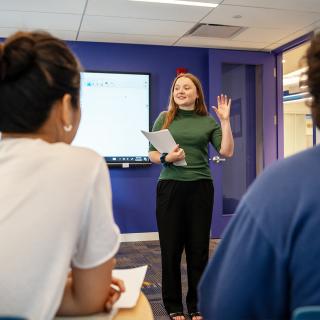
<point>246,77</point>
<point>298,131</point>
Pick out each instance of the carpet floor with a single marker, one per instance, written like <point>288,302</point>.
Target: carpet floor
<point>135,254</point>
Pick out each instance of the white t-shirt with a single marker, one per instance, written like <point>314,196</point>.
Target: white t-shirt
<point>55,210</point>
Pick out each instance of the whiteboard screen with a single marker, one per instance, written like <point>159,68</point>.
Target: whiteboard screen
<point>114,109</point>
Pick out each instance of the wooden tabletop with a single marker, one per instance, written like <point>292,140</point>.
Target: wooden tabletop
<point>141,311</point>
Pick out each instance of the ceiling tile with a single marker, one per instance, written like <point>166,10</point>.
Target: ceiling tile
<point>125,38</point>
<point>134,26</point>
<point>260,17</point>
<point>144,10</point>
<point>316,27</point>
<point>6,32</point>
<point>272,46</point>
<point>294,35</point>
<point>37,20</point>
<point>260,34</point>
<point>309,5</point>
<point>56,6</point>
<point>62,34</point>
<point>220,43</point>
<point>268,23</point>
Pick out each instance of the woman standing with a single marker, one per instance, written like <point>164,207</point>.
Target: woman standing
<point>185,193</point>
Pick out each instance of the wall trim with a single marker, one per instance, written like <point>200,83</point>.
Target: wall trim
<point>294,43</point>
<point>144,236</point>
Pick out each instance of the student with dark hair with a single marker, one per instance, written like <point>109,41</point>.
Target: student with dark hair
<point>55,199</point>
<point>185,193</point>
<point>267,263</point>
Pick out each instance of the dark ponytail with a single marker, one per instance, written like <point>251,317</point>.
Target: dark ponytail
<point>36,70</point>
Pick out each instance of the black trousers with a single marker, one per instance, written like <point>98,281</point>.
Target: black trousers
<point>184,213</point>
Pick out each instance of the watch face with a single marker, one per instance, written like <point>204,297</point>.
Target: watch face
<point>162,158</point>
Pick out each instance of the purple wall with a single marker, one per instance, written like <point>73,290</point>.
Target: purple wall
<point>134,188</point>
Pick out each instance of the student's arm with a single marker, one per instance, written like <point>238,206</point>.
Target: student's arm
<point>87,290</point>
<point>116,289</point>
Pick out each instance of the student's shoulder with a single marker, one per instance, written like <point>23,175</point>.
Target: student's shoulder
<point>281,196</point>
<point>287,180</point>
<point>296,166</point>
<point>80,156</point>
<point>71,149</point>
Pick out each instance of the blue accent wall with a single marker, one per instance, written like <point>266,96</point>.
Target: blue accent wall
<point>134,188</point>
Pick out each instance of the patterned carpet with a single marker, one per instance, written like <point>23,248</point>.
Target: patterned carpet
<point>135,254</point>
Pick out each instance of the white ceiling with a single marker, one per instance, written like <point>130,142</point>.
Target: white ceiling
<point>267,24</point>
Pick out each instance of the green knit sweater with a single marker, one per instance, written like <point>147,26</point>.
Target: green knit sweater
<point>193,133</point>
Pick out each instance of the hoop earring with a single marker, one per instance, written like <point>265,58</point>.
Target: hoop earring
<point>67,128</point>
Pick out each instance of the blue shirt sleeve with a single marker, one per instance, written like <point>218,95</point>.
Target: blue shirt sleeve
<point>245,275</point>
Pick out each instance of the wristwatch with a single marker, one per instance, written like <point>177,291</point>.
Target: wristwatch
<point>163,160</point>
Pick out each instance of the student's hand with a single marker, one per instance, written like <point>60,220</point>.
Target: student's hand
<point>117,287</point>
<point>176,154</point>
<point>223,109</point>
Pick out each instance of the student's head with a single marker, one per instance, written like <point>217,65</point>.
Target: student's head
<point>39,86</point>
<point>186,91</point>
<point>313,77</point>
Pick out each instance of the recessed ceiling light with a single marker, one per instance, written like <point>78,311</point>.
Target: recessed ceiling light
<point>185,3</point>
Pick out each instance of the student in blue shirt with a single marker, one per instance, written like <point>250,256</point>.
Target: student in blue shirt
<point>268,262</point>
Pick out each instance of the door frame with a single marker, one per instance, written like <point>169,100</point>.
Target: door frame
<point>278,54</point>
<point>267,61</point>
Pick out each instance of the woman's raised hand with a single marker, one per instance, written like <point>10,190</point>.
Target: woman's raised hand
<point>223,108</point>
